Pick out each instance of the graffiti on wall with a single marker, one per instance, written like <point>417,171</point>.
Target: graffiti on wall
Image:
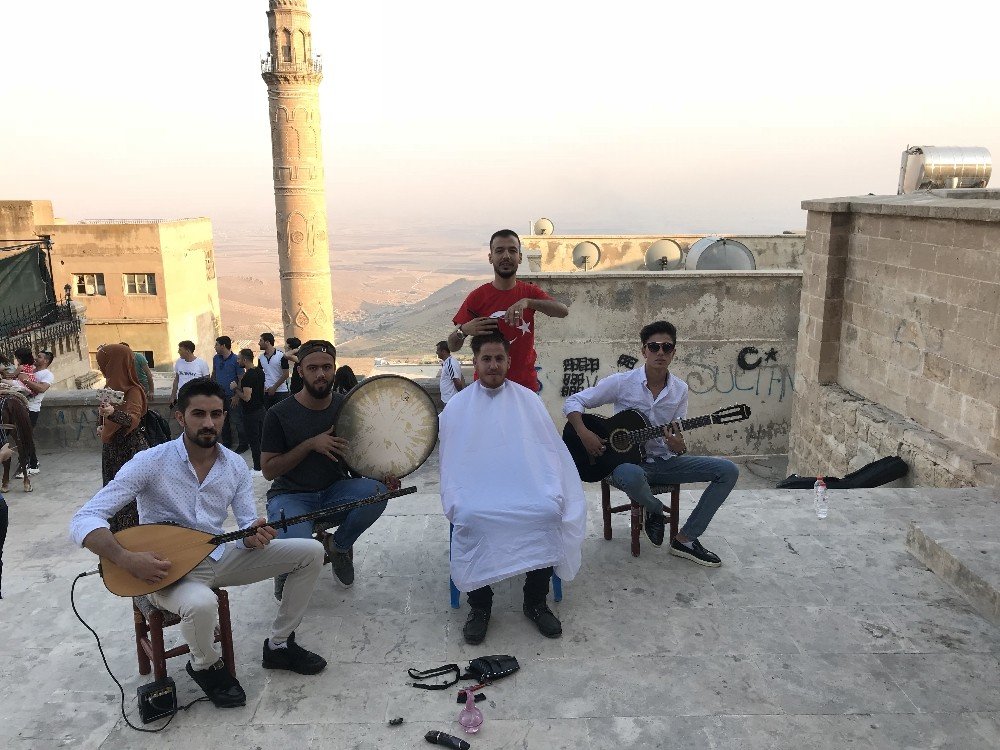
<point>751,374</point>
<point>579,373</point>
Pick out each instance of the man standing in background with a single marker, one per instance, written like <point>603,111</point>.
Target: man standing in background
<point>142,370</point>
<point>249,392</point>
<point>275,366</point>
<point>226,370</point>
<point>42,381</point>
<point>187,368</point>
<point>450,377</point>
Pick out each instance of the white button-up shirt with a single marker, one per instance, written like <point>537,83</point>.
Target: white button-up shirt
<point>163,481</point>
<point>630,390</point>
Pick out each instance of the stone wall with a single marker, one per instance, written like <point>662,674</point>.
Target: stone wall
<point>900,337</point>
<point>723,319</point>
<point>627,253</point>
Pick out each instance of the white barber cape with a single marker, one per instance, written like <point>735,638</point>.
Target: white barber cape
<point>509,487</point>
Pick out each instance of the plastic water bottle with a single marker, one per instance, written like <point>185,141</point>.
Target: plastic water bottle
<point>820,489</point>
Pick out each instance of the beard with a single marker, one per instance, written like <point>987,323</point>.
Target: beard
<point>203,439</point>
<point>506,274</point>
<point>320,391</point>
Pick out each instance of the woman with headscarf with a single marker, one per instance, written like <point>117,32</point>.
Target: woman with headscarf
<point>120,433</point>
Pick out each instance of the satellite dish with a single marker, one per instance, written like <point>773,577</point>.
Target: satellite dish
<point>586,255</point>
<point>664,255</point>
<point>719,254</point>
<point>544,226</point>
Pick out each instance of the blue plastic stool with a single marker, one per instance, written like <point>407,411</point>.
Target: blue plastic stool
<point>456,594</point>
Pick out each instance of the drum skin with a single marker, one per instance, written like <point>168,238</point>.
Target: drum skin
<point>391,426</point>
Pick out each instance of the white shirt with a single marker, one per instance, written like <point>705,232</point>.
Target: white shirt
<point>273,370</point>
<point>163,481</point>
<point>451,368</point>
<point>41,376</point>
<point>188,371</point>
<point>629,390</point>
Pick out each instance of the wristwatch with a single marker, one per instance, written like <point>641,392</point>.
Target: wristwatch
<point>459,332</point>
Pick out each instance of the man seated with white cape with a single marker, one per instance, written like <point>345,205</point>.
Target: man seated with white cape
<point>511,491</point>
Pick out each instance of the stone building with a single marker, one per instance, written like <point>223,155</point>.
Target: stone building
<point>899,336</point>
<point>150,283</point>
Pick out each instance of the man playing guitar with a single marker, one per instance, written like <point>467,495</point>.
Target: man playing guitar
<point>663,399</point>
<point>194,481</point>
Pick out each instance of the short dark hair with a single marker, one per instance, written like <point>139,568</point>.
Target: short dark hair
<point>246,354</point>
<point>198,387</point>
<point>186,345</point>
<point>442,345</point>
<point>49,355</point>
<point>293,342</point>
<point>344,379</point>
<point>24,356</point>
<point>268,337</point>
<point>660,326</point>
<point>505,233</point>
<point>489,338</point>
<point>225,341</point>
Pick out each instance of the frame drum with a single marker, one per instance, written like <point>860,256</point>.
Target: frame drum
<point>391,424</point>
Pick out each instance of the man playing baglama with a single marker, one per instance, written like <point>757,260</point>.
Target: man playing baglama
<point>508,306</point>
<point>663,399</point>
<point>511,491</point>
<point>302,457</point>
<point>193,481</point>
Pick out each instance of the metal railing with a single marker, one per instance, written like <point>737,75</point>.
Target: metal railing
<point>37,326</point>
<point>271,65</point>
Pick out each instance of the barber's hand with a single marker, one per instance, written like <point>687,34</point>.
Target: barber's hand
<point>478,326</point>
<point>329,445</point>
<point>593,443</point>
<point>146,566</point>
<point>516,311</point>
<point>674,437</point>
<point>263,536</point>
<point>392,483</point>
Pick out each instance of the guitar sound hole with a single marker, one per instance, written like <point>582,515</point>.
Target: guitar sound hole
<point>619,441</point>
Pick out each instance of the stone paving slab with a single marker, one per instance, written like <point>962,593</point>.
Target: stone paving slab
<point>813,634</point>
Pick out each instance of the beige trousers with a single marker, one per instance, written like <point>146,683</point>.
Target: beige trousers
<point>192,597</point>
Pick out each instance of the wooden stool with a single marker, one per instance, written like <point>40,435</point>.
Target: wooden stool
<point>150,622</point>
<point>671,513</point>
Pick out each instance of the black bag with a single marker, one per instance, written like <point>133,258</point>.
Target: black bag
<point>875,474</point>
<point>483,669</point>
<point>155,428</point>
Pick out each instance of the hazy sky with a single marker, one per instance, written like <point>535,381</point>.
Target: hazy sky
<point>606,117</point>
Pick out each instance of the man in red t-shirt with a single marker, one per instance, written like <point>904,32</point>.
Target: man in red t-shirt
<point>507,305</point>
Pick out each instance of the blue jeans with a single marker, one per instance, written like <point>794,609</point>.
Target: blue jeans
<point>635,480</point>
<point>351,525</point>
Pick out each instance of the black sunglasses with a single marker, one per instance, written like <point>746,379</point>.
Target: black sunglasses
<point>654,347</point>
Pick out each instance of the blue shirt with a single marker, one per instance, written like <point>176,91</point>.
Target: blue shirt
<point>226,371</point>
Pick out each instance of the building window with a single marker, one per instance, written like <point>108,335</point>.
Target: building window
<point>89,284</point>
<point>149,358</point>
<point>139,283</point>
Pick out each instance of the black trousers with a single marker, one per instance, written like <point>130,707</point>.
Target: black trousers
<point>233,423</point>
<point>253,427</point>
<point>270,401</point>
<point>536,589</point>
<point>3,534</point>
<point>33,458</point>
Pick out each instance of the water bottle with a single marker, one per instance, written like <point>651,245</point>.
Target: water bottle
<point>820,489</point>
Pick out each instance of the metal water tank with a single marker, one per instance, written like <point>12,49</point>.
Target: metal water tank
<point>928,167</point>
<point>719,254</point>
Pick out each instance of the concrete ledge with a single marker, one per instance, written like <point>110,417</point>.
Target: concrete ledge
<point>978,581</point>
<point>923,204</point>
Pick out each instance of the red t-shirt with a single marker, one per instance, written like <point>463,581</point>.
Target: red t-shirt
<point>489,302</point>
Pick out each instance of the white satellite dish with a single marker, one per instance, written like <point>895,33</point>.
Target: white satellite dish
<point>544,226</point>
<point>719,254</point>
<point>664,255</point>
<point>586,255</point>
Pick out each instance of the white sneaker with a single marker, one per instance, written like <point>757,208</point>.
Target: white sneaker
<point>34,471</point>
<point>20,475</point>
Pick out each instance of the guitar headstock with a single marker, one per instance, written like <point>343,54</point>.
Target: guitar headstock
<point>734,413</point>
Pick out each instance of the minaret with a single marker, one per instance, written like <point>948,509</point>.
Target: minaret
<point>292,75</point>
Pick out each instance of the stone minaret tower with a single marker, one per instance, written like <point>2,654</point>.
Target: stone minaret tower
<point>292,75</point>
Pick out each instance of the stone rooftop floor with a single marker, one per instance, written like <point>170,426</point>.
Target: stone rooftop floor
<point>813,634</point>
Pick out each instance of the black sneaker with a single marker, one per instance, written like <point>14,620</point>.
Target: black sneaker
<point>292,657</point>
<point>222,688</point>
<point>655,525</point>
<point>696,554</point>
<point>540,614</point>
<point>476,625</point>
<point>342,564</point>
<point>279,585</point>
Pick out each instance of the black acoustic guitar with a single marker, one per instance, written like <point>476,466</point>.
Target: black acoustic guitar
<point>626,433</point>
